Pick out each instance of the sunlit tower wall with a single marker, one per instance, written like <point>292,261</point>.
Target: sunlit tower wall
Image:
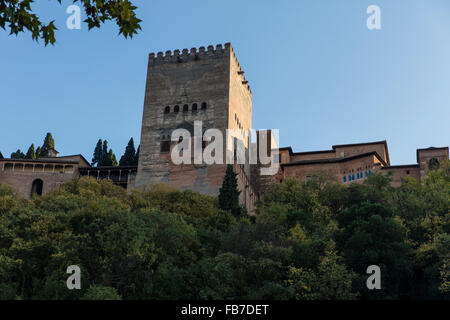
<point>205,85</point>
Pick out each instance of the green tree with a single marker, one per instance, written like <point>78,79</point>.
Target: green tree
<point>108,156</point>
<point>330,280</point>
<point>38,152</point>
<point>129,157</point>
<point>18,16</point>
<point>31,154</point>
<point>371,235</point>
<point>137,154</point>
<point>18,155</point>
<point>98,154</point>
<point>49,143</point>
<point>105,153</point>
<point>113,158</point>
<point>1,156</point>
<point>97,292</point>
<point>229,193</point>
<point>310,240</point>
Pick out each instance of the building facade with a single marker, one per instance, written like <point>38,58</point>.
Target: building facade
<point>38,176</point>
<point>208,86</point>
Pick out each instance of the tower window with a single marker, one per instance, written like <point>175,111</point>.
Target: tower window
<point>204,106</point>
<point>194,107</point>
<point>185,108</point>
<point>165,146</point>
<point>176,109</point>
<point>167,110</point>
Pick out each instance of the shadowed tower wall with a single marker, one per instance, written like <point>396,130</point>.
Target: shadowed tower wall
<point>197,85</point>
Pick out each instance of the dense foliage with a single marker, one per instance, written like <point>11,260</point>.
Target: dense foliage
<point>18,16</point>
<point>309,240</point>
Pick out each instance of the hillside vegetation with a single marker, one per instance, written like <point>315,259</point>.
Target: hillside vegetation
<point>310,240</point>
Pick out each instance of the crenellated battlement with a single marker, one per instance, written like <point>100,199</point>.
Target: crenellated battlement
<point>190,55</point>
<point>194,54</point>
<point>240,72</point>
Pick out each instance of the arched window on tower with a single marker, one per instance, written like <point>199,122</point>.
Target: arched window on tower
<point>194,107</point>
<point>167,110</point>
<point>204,105</point>
<point>36,187</point>
<point>185,108</point>
<point>176,109</point>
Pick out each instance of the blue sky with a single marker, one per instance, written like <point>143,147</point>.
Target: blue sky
<point>316,72</point>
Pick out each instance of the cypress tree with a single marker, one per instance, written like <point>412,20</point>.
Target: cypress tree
<point>38,152</point>
<point>98,153</point>
<point>110,159</point>
<point>113,158</point>
<point>1,155</point>
<point>49,143</point>
<point>229,193</point>
<point>18,155</point>
<point>137,155</point>
<point>31,154</point>
<point>129,157</point>
<point>104,160</point>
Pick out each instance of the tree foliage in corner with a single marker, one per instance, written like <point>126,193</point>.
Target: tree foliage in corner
<point>129,158</point>
<point>229,193</point>
<point>18,16</point>
<point>1,156</point>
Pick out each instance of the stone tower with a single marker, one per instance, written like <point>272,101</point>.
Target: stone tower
<point>205,85</point>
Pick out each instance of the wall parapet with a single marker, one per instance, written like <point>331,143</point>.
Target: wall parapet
<point>194,54</point>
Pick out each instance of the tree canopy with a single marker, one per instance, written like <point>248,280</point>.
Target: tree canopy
<point>229,192</point>
<point>130,157</point>
<point>18,16</point>
<point>103,157</point>
<point>18,155</point>
<point>31,153</point>
<point>49,144</point>
<point>308,241</point>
